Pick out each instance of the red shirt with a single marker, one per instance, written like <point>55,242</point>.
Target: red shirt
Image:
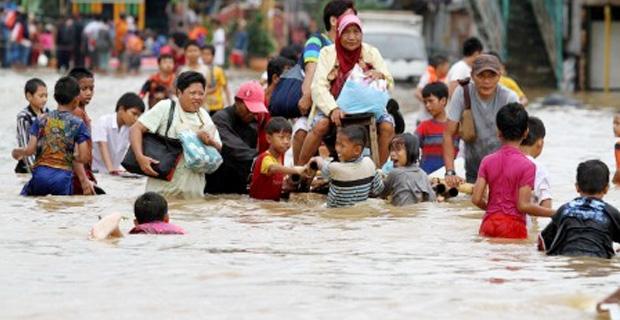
<point>263,186</point>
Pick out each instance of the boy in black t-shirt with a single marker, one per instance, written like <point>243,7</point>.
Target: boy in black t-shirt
<point>586,226</point>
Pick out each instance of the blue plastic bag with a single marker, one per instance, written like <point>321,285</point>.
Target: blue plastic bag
<point>199,157</point>
<point>359,95</point>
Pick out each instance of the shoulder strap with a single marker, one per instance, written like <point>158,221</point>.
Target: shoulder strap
<point>170,116</point>
<point>464,83</point>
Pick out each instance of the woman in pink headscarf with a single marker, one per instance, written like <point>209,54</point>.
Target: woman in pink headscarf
<point>334,66</point>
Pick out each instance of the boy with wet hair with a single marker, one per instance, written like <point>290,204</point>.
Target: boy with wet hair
<point>532,147</point>
<point>151,211</point>
<point>587,225</point>
<point>430,132</point>
<point>35,91</point>
<point>111,134</point>
<point>164,78</point>
<point>508,176</point>
<point>84,182</point>
<point>354,178</point>
<point>54,137</point>
<point>269,171</point>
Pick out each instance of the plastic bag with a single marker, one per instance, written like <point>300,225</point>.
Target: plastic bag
<point>360,94</point>
<point>199,157</point>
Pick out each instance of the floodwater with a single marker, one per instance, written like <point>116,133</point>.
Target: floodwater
<point>244,259</point>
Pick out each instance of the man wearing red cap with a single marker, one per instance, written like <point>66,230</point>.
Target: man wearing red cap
<point>238,127</point>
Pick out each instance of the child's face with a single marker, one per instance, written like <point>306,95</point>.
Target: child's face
<point>398,155</point>
<point>442,69</point>
<point>207,56</point>
<point>192,53</point>
<point>434,106</point>
<point>280,141</point>
<point>87,90</point>
<point>346,149</point>
<point>617,125</point>
<point>166,65</point>
<point>39,98</point>
<point>129,116</point>
<point>158,96</point>
<point>538,148</point>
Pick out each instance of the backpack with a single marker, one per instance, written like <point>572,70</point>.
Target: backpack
<point>467,127</point>
<point>287,93</point>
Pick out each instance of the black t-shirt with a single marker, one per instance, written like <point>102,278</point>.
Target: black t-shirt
<point>583,227</point>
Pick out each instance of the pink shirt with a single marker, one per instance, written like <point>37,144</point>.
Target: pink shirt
<point>506,171</point>
<point>157,227</point>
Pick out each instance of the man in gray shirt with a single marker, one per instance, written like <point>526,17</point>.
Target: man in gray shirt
<point>487,97</point>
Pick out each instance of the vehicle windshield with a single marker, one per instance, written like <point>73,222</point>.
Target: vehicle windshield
<point>397,46</point>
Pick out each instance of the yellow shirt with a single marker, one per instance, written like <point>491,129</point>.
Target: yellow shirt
<point>321,95</point>
<point>215,100</point>
<point>268,161</point>
<point>512,85</point>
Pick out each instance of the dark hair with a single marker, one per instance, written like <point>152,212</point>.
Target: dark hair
<point>187,78</point>
<point>150,207</point>
<point>411,143</point>
<point>536,131</point>
<point>128,101</point>
<point>191,43</point>
<point>66,90</point>
<point>511,121</point>
<point>292,52</point>
<point>437,89</point>
<point>355,133</point>
<point>164,56</point>
<point>277,125</point>
<point>160,88</point>
<point>335,8</point>
<point>393,108</point>
<point>276,67</point>
<point>79,73</point>
<point>437,59</point>
<point>471,46</point>
<point>209,47</point>
<point>592,176</point>
<point>33,84</point>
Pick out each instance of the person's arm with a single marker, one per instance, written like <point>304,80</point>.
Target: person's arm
<point>478,196</point>
<point>278,168</point>
<point>452,85</point>
<point>105,157</point>
<point>418,94</point>
<point>377,185</point>
<point>448,153</point>
<point>546,237</point>
<point>320,87</point>
<point>30,149</point>
<point>88,187</point>
<point>206,138</point>
<point>305,102</point>
<point>135,138</point>
<point>524,204</point>
<point>387,185</point>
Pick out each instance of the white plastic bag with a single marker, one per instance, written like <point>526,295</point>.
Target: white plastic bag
<point>199,157</point>
<point>361,94</point>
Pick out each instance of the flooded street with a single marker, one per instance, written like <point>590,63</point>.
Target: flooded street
<point>244,259</point>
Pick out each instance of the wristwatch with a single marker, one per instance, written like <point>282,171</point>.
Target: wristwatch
<point>450,173</point>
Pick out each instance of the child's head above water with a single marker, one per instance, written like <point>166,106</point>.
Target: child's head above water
<point>350,142</point>
<point>279,133</point>
<point>35,91</point>
<point>192,51</point>
<point>165,62</point>
<point>66,92</point>
<point>150,207</point>
<point>535,139</point>
<point>208,52</point>
<point>128,108</point>
<point>435,98</point>
<point>405,150</point>
<point>86,80</point>
<point>512,122</point>
<point>592,178</point>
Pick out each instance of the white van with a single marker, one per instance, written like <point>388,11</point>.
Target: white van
<point>397,35</point>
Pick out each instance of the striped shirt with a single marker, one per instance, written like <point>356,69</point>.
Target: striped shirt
<point>351,182</point>
<point>313,47</point>
<point>430,133</point>
<point>25,119</point>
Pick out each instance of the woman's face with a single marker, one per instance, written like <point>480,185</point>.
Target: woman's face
<point>192,97</point>
<point>351,37</point>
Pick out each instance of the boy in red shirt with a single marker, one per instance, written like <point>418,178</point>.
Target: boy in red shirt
<point>509,177</point>
<point>269,171</point>
<point>430,132</point>
<point>163,78</point>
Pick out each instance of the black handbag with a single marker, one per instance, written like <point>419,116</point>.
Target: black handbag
<point>166,150</point>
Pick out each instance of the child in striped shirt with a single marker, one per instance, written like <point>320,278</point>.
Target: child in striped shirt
<point>354,178</point>
<point>36,94</point>
<point>430,132</point>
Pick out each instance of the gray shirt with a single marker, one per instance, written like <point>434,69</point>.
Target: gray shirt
<point>484,113</point>
<point>408,185</point>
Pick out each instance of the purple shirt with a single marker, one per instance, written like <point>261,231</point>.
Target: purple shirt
<point>506,171</point>
<point>157,227</point>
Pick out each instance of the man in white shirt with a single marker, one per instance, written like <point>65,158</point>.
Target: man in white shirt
<point>111,134</point>
<point>219,42</point>
<point>472,48</point>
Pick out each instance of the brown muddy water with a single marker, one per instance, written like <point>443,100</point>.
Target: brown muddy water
<point>244,259</point>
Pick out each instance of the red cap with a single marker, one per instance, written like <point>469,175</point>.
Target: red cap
<point>252,94</point>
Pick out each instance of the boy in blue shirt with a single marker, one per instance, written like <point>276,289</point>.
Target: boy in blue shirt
<point>53,137</point>
<point>586,226</point>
